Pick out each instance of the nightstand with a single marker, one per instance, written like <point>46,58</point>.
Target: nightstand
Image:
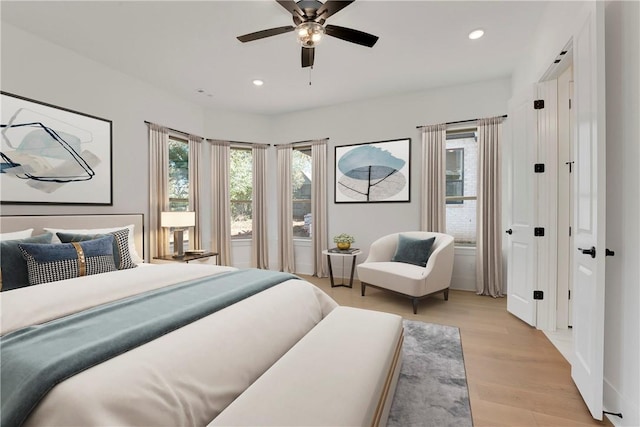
<point>188,257</point>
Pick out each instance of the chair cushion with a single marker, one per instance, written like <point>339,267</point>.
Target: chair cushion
<point>405,278</point>
<point>413,251</point>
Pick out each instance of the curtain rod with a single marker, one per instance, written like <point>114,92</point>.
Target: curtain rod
<point>301,142</point>
<point>237,142</point>
<point>209,139</point>
<point>460,121</point>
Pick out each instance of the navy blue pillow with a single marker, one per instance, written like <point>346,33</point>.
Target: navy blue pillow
<point>50,263</point>
<point>413,251</point>
<point>14,267</point>
<point>121,254</point>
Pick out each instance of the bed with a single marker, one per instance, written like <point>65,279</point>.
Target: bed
<point>213,367</point>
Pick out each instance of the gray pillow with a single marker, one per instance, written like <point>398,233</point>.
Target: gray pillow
<point>121,254</point>
<point>413,251</point>
<point>50,263</point>
<point>14,267</point>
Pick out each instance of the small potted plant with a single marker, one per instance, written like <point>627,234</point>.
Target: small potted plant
<point>343,241</point>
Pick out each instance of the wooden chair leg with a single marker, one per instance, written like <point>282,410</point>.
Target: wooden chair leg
<point>362,287</point>
<point>415,305</point>
<point>446,294</point>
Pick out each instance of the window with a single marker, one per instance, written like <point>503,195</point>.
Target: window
<point>461,170</point>
<point>178,175</point>
<point>178,181</point>
<point>455,175</point>
<point>301,182</point>
<point>241,192</point>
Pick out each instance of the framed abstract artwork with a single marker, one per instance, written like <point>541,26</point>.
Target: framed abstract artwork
<point>373,172</point>
<point>52,155</point>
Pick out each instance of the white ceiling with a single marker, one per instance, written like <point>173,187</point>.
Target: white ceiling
<point>183,46</point>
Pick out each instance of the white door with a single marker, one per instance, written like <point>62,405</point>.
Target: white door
<point>520,155</point>
<point>589,237</point>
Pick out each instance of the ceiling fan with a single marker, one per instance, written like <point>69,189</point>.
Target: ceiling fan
<point>309,17</point>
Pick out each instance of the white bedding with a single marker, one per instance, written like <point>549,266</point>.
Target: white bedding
<point>186,377</point>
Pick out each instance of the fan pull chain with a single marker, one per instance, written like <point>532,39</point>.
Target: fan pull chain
<point>310,68</point>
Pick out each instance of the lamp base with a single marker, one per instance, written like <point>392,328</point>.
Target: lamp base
<point>178,243</point>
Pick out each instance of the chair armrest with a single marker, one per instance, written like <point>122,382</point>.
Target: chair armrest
<point>439,267</point>
<point>383,249</point>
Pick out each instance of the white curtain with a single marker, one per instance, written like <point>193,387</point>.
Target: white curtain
<point>433,213</point>
<point>220,204</point>
<point>319,234</point>
<point>158,189</point>
<point>195,148</point>
<point>285,209</point>
<point>489,227</point>
<point>260,248</point>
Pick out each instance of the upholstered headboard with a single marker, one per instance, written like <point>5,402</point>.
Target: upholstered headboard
<point>38,222</point>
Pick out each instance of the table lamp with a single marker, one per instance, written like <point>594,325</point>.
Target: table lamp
<point>179,221</point>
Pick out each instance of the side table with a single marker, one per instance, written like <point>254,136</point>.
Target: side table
<point>353,253</point>
<point>186,258</point>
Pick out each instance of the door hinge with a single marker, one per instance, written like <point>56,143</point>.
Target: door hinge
<point>538,231</point>
<point>569,103</point>
<point>538,104</point>
<point>538,168</point>
<point>538,295</point>
<point>569,293</point>
<point>569,231</point>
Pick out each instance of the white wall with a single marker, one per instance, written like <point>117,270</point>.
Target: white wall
<point>622,322</point>
<point>383,119</point>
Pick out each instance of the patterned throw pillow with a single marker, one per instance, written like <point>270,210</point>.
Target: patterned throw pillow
<point>121,254</point>
<point>53,262</point>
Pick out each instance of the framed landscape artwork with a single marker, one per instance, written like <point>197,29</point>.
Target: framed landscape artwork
<point>373,172</point>
<point>52,155</point>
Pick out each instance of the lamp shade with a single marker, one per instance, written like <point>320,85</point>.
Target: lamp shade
<point>178,219</point>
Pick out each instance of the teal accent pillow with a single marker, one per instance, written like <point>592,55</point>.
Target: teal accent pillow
<point>14,267</point>
<point>413,251</point>
<point>121,254</point>
<point>53,262</point>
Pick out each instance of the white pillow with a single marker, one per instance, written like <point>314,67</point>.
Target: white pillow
<point>132,247</point>
<point>15,235</point>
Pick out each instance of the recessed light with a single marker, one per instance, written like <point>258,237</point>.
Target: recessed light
<point>258,82</point>
<point>476,34</point>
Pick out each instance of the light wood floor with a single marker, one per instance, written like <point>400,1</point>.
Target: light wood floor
<point>516,377</point>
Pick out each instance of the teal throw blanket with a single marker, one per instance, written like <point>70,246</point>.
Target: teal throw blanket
<point>36,358</point>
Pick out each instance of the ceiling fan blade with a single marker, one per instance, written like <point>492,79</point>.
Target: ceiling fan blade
<point>291,6</point>
<point>308,54</point>
<point>332,6</point>
<point>265,33</point>
<point>351,35</point>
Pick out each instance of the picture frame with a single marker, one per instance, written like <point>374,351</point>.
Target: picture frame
<point>373,172</point>
<point>53,155</point>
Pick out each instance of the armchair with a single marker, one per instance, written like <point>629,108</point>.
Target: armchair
<point>413,281</point>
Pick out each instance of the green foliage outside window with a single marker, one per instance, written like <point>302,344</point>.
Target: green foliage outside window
<point>178,175</point>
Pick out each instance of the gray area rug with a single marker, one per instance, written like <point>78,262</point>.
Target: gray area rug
<point>432,388</point>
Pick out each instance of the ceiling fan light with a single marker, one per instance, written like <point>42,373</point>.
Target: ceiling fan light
<point>309,33</point>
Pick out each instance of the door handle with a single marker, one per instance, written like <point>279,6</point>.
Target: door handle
<point>609,252</point>
<point>591,251</point>
<point>509,231</point>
